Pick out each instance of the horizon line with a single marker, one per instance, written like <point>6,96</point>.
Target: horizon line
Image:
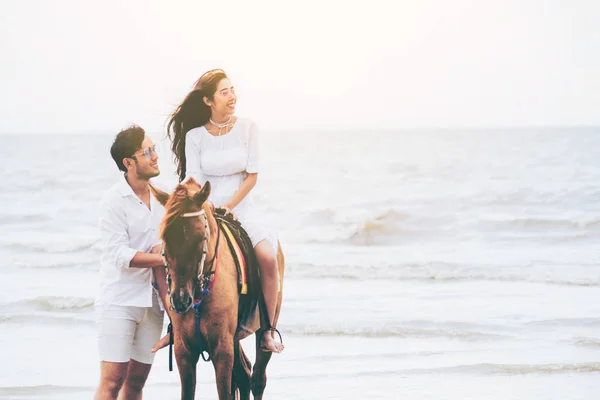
<point>350,129</point>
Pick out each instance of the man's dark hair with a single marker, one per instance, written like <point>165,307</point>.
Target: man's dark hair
<point>127,142</point>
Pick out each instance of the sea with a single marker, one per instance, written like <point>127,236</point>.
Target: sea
<point>420,264</point>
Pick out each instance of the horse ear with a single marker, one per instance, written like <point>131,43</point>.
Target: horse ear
<point>161,196</point>
<point>202,195</point>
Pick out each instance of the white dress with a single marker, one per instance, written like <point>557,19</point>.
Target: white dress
<point>225,161</point>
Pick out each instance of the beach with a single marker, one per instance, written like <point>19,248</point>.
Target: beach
<point>420,264</point>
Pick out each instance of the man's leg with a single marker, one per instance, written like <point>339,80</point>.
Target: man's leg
<point>137,373</point>
<point>112,376</point>
<point>116,329</point>
<point>160,276</point>
<point>147,333</point>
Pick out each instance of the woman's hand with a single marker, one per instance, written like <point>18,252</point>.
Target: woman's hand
<point>228,211</point>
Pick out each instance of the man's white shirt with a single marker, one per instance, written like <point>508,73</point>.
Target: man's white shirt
<point>126,227</point>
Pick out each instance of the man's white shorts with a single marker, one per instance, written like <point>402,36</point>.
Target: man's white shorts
<point>126,332</point>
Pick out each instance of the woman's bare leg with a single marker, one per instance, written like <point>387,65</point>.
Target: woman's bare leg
<point>269,277</point>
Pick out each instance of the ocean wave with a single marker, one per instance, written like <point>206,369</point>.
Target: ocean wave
<point>52,264</point>
<point>394,331</point>
<point>444,272</point>
<point>545,223</point>
<point>380,229</point>
<point>37,389</point>
<point>24,218</point>
<point>378,224</point>
<point>52,303</point>
<point>36,318</point>
<point>392,227</point>
<point>40,183</point>
<point>587,342</point>
<point>48,310</point>
<point>61,303</point>
<point>524,369</point>
<point>69,245</point>
<point>565,322</point>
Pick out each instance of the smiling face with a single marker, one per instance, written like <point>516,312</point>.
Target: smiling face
<point>224,99</point>
<point>144,162</point>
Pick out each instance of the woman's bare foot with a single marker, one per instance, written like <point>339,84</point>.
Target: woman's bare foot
<point>268,343</point>
<point>164,342</point>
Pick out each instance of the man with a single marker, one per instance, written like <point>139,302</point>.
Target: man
<point>129,315</point>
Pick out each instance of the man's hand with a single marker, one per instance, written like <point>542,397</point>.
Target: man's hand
<point>158,249</point>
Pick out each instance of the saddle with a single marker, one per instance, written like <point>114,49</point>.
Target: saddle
<point>251,304</point>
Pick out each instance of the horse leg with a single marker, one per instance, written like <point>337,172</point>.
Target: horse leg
<point>241,372</point>
<point>259,372</point>
<point>186,363</point>
<point>222,360</point>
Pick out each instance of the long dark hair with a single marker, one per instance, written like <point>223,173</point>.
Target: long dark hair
<point>192,113</point>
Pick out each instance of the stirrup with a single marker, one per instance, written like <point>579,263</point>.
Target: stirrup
<point>272,329</point>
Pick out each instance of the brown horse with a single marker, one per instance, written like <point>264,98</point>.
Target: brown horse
<point>198,257</point>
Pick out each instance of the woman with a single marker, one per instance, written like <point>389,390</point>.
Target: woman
<point>211,144</point>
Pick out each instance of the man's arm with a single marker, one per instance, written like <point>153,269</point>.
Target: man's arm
<point>115,240</point>
<point>160,276</point>
<point>146,260</point>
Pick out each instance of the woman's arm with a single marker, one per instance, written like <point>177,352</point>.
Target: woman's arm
<point>251,169</point>
<point>242,192</point>
<point>192,156</point>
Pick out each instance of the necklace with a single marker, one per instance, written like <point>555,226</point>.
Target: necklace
<point>225,125</point>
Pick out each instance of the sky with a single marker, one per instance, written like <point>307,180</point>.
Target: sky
<point>97,66</point>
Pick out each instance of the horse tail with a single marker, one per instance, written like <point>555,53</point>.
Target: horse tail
<point>242,369</point>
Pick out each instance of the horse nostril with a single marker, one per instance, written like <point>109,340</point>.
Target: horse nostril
<point>183,301</point>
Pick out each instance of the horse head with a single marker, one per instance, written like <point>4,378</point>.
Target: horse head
<point>185,231</point>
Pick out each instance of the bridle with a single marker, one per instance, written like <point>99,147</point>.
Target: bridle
<point>203,278</point>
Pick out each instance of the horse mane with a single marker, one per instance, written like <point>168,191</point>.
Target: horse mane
<point>172,224</point>
<point>173,209</point>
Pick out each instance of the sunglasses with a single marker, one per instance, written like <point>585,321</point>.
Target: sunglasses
<point>147,152</point>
